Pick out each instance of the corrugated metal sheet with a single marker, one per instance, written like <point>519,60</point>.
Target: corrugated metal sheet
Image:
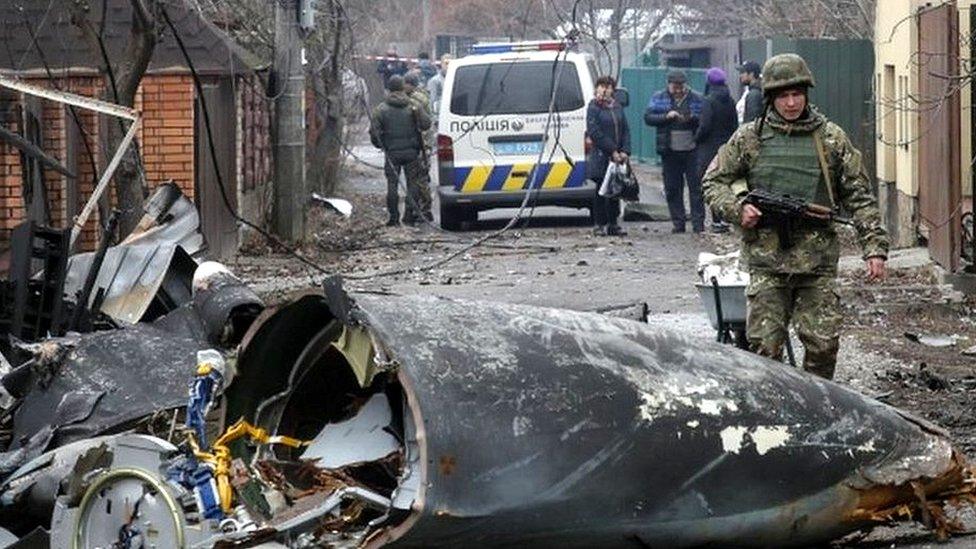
<point>643,82</point>
<point>939,188</point>
<point>219,228</point>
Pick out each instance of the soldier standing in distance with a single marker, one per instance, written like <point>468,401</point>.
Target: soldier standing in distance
<point>793,149</point>
<point>397,127</point>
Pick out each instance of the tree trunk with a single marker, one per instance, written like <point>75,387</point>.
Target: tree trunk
<point>121,85</point>
<point>129,182</point>
<point>332,136</point>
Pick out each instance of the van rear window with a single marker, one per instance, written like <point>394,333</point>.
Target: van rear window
<point>515,88</point>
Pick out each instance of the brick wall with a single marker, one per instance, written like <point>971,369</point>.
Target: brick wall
<point>254,152</point>
<point>11,204</point>
<point>166,144</point>
<point>167,130</point>
<point>90,141</point>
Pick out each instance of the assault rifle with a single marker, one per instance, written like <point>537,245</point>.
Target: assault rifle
<point>784,212</point>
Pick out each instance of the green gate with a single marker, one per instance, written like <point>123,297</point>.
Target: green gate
<point>844,71</point>
<point>642,83</point>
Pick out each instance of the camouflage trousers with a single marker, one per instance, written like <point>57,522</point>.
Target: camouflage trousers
<point>417,202</point>
<point>810,303</point>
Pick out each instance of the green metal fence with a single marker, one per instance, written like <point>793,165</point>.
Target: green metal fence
<point>843,68</point>
<point>642,83</point>
<point>844,72</point>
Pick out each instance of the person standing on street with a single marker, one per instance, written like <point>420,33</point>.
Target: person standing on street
<point>418,94</point>
<point>718,123</point>
<point>415,91</point>
<point>390,66</point>
<point>426,68</point>
<point>435,86</point>
<point>607,129</point>
<point>397,127</point>
<point>675,112</point>
<point>793,149</point>
<point>750,104</point>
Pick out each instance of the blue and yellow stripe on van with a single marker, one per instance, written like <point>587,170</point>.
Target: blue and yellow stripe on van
<point>481,178</point>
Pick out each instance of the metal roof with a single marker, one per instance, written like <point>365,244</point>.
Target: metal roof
<point>34,32</point>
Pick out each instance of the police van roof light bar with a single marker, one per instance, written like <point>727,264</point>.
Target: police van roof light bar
<point>509,47</point>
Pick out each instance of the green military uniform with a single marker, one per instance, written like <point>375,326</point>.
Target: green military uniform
<point>795,283</point>
<point>422,99</point>
<point>397,127</point>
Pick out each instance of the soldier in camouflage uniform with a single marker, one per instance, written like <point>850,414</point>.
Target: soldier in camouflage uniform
<point>418,94</point>
<point>795,150</point>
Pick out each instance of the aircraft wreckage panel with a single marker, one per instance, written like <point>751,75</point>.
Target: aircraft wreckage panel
<point>580,429</point>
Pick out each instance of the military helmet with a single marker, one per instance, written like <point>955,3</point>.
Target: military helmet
<point>786,70</point>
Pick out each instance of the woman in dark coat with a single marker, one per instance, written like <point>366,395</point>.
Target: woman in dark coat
<point>607,131</point>
<point>718,122</point>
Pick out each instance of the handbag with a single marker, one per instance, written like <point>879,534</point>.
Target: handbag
<point>619,182</point>
<point>630,190</point>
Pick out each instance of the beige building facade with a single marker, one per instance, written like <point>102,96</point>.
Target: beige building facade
<point>898,113</point>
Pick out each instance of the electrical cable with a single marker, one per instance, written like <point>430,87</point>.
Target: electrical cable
<point>86,136</point>
<point>532,189</point>
<point>213,157</point>
<point>518,216</point>
<point>510,224</point>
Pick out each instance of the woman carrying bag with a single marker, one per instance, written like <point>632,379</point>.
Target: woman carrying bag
<point>607,130</point>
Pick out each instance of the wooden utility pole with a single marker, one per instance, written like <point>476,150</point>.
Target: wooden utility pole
<point>289,147</point>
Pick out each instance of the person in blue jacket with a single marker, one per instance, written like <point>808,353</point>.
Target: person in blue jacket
<point>675,113</point>
<point>609,134</point>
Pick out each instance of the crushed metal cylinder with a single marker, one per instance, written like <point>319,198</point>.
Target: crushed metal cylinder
<point>415,421</point>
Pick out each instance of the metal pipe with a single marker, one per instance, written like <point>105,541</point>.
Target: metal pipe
<point>332,503</point>
<point>82,217</point>
<point>68,98</point>
<point>82,302</point>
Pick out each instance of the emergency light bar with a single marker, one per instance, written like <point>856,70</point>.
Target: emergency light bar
<point>509,47</point>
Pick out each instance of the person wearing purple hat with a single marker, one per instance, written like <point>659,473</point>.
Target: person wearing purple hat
<point>717,124</point>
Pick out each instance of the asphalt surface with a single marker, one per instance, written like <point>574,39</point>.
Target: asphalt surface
<point>552,259</point>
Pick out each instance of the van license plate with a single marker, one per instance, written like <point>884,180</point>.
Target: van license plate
<point>516,148</point>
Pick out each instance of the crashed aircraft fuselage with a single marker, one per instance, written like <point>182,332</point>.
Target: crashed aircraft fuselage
<point>435,422</point>
<point>533,426</point>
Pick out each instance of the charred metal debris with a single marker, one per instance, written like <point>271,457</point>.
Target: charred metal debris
<point>186,414</point>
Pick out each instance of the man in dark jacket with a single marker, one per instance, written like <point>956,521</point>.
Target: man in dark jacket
<point>390,66</point>
<point>718,123</point>
<point>397,127</point>
<point>675,113</point>
<point>750,105</point>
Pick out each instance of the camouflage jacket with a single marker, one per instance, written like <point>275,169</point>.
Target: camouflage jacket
<point>816,249</point>
<point>421,98</point>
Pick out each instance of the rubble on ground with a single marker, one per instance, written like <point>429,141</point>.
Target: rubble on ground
<point>345,419</point>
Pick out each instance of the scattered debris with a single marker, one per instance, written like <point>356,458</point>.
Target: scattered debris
<point>339,205</point>
<point>643,211</point>
<point>933,340</point>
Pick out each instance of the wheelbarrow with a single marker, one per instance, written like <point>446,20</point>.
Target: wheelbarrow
<point>725,306</point>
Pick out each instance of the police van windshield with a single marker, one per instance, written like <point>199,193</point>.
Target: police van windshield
<point>515,88</point>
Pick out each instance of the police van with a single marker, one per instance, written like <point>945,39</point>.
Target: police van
<point>492,129</point>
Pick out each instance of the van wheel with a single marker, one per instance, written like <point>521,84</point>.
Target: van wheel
<point>453,216</point>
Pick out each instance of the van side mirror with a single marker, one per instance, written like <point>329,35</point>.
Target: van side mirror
<point>621,96</point>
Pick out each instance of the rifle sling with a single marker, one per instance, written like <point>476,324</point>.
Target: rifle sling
<point>818,142</point>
